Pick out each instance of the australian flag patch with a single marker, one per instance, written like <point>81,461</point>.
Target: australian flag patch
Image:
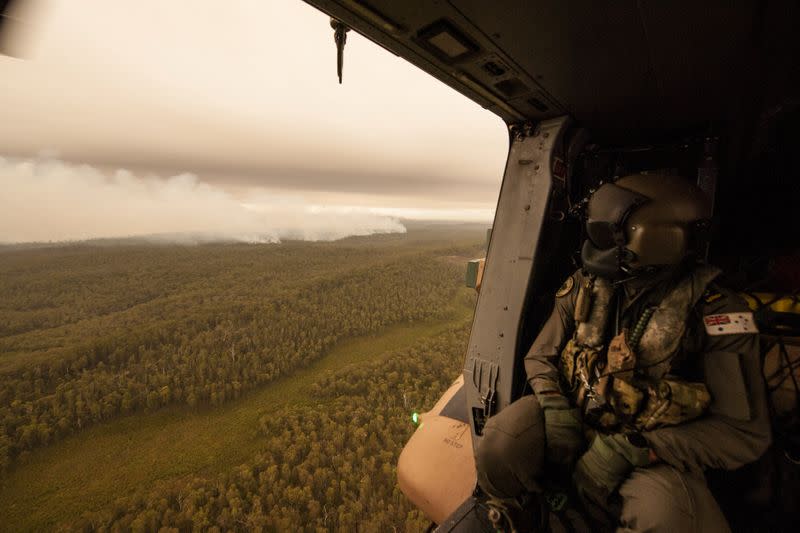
<point>730,324</point>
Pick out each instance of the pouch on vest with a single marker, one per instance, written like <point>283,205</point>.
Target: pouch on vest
<point>673,402</point>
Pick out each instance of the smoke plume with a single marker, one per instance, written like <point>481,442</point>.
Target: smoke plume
<point>46,199</point>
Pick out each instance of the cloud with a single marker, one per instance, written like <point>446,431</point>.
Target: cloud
<point>209,91</point>
<point>46,199</point>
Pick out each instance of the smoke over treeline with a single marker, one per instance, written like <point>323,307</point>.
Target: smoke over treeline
<point>46,199</point>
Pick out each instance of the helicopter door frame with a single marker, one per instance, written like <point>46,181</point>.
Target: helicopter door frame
<point>513,249</point>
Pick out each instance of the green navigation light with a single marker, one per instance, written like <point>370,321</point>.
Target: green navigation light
<point>415,418</point>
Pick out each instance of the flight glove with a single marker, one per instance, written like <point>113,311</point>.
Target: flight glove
<point>562,430</point>
<point>603,468</point>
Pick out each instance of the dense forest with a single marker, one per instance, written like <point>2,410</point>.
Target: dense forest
<point>329,466</point>
<point>93,332</point>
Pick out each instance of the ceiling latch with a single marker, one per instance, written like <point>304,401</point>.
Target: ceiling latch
<point>340,38</point>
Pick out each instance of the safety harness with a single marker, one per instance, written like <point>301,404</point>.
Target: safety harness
<point>624,384</point>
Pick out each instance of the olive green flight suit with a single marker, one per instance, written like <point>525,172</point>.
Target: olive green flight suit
<point>671,495</point>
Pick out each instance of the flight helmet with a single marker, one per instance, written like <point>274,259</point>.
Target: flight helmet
<point>643,223</point>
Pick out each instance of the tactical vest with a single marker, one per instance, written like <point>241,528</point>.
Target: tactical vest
<point>624,384</point>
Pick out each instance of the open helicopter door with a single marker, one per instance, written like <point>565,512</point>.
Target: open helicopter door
<point>437,471</point>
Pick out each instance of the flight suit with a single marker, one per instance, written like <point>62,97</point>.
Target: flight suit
<point>671,494</point>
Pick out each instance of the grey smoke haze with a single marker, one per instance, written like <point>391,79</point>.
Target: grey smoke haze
<point>46,199</point>
<point>242,96</point>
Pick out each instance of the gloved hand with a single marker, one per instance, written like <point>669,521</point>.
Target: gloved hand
<point>562,428</point>
<point>603,468</point>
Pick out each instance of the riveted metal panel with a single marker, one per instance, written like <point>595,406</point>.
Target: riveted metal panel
<point>521,212</point>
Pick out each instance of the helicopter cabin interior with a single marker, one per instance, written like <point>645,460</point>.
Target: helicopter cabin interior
<point>592,91</point>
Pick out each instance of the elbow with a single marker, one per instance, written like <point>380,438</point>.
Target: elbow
<point>759,431</point>
<point>762,438</point>
<point>756,438</point>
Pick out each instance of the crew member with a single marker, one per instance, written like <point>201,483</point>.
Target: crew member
<point>646,373</point>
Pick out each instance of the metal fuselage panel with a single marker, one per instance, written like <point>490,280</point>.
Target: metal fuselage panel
<point>436,469</point>
<point>521,213</point>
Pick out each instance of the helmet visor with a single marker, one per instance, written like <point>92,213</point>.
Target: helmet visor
<point>609,206</point>
<point>601,233</point>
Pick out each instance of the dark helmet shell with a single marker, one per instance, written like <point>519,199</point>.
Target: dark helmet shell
<point>642,221</point>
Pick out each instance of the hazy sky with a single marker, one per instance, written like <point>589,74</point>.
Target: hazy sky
<point>244,97</point>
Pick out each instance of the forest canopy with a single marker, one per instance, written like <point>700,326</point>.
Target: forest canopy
<point>90,333</point>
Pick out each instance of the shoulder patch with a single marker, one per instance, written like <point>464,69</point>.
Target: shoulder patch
<point>730,324</point>
<point>566,288</point>
<point>711,296</point>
